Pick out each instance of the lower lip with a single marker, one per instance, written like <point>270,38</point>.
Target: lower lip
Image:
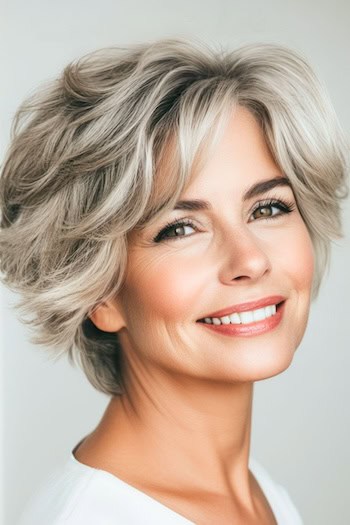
<point>250,329</point>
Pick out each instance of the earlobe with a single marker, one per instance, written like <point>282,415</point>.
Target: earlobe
<point>107,317</point>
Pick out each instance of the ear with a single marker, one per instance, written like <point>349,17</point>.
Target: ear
<point>108,317</point>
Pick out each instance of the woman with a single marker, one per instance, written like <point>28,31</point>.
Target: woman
<point>167,212</point>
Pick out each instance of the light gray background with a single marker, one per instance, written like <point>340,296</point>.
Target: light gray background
<point>301,429</point>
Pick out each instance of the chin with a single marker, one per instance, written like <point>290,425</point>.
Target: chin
<point>268,363</point>
<point>252,362</point>
<point>271,370</point>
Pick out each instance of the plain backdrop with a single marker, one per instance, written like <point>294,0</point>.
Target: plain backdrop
<point>301,430</point>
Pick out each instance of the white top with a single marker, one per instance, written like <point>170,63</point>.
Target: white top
<point>76,494</point>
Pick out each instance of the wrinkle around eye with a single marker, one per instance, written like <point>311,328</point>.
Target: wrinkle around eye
<point>142,262</point>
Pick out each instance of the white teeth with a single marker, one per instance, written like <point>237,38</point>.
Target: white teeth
<point>243,317</point>
<point>268,311</point>
<point>259,315</point>
<point>246,317</point>
<point>235,319</point>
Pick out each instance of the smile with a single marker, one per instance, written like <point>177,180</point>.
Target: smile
<point>243,317</point>
<point>246,323</point>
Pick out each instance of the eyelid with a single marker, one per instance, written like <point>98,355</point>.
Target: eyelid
<point>180,221</point>
<point>284,204</point>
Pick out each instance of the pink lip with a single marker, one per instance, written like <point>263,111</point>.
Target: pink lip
<point>245,307</point>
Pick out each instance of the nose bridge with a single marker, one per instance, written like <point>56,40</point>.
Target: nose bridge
<point>244,255</point>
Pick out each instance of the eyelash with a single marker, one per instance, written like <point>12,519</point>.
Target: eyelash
<point>283,205</point>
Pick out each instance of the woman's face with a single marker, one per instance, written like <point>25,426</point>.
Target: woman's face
<point>250,245</point>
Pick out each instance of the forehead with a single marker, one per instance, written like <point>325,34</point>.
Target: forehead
<point>239,159</point>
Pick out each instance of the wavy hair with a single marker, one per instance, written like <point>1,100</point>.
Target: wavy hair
<point>83,171</point>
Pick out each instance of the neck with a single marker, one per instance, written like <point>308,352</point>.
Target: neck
<point>185,434</point>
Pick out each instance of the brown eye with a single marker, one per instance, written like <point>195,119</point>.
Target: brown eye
<point>263,212</point>
<point>175,230</point>
<point>271,209</point>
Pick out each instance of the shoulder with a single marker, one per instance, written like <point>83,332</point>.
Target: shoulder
<point>77,494</point>
<point>278,497</point>
<point>58,497</point>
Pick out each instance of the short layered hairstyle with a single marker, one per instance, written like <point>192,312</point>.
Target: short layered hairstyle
<point>85,168</point>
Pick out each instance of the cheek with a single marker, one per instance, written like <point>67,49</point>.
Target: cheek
<point>163,289</point>
<point>294,256</point>
<point>302,260</point>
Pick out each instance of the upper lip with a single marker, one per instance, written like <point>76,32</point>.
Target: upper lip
<point>245,307</point>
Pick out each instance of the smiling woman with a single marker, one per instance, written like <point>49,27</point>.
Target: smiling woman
<point>167,211</point>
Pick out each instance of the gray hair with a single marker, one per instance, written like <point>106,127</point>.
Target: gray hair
<point>83,171</point>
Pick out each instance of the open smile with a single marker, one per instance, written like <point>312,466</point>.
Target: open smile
<point>248,322</point>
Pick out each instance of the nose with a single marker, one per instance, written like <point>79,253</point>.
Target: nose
<point>245,258</point>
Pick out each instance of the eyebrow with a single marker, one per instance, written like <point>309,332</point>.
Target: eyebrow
<point>255,190</point>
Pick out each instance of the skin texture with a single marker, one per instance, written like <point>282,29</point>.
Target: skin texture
<point>181,433</point>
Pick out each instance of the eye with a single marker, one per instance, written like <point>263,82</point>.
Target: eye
<point>271,209</point>
<point>175,230</point>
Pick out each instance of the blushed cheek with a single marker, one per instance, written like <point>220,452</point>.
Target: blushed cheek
<point>301,270</point>
<point>305,262</point>
<point>164,292</point>
<point>292,262</point>
<point>295,257</point>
